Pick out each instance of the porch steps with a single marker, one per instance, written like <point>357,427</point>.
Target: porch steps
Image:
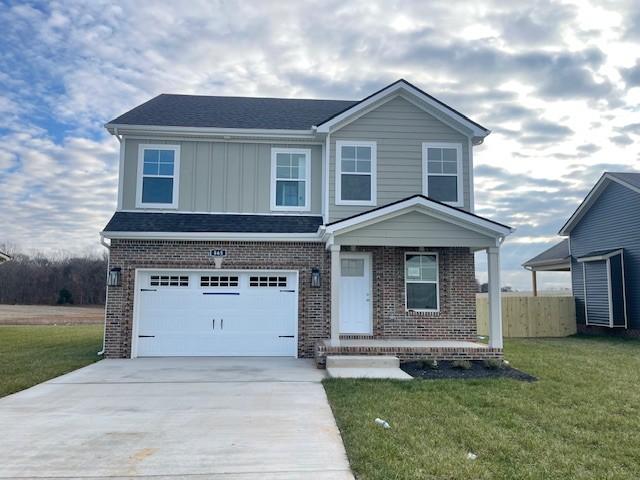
<point>365,366</point>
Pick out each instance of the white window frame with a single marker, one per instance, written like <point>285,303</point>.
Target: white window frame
<point>425,170</point>
<point>373,174</point>
<point>437,283</point>
<point>176,175</point>
<point>307,179</point>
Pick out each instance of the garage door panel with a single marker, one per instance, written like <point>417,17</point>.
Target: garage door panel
<point>217,314</point>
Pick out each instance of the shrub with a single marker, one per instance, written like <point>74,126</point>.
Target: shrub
<point>461,364</point>
<point>428,364</point>
<point>494,364</point>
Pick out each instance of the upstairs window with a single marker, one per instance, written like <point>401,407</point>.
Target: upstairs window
<point>442,170</point>
<point>158,171</point>
<point>355,173</point>
<point>290,174</point>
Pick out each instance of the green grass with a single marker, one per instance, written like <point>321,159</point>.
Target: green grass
<point>580,420</point>
<point>31,354</point>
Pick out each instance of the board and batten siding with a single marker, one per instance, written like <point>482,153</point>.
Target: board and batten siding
<point>222,176</point>
<point>414,229</point>
<point>612,222</point>
<point>399,128</point>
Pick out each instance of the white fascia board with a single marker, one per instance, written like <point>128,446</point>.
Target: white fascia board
<point>402,86</point>
<point>248,132</point>
<point>462,218</point>
<point>595,258</point>
<point>215,236</point>
<point>591,197</point>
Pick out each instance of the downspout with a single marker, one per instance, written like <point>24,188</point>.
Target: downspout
<point>106,299</point>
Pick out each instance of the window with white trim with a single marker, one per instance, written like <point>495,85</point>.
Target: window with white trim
<point>169,281</point>
<point>421,282</point>
<point>158,171</point>
<point>355,173</point>
<point>442,170</point>
<point>290,178</point>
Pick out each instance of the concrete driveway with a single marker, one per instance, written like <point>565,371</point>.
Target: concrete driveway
<point>219,418</point>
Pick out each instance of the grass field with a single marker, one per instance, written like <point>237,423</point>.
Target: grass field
<point>580,420</point>
<point>50,314</point>
<point>31,354</point>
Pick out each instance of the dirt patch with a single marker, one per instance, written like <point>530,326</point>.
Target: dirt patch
<point>478,369</point>
<point>49,315</point>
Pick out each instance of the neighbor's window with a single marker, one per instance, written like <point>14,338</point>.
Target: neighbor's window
<point>421,281</point>
<point>158,181</point>
<point>356,173</point>
<point>443,172</point>
<point>290,173</point>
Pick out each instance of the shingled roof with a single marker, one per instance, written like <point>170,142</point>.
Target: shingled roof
<point>207,222</point>
<point>201,111</point>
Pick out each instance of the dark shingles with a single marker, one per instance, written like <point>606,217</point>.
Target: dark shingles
<point>205,222</point>
<point>232,112</point>
<point>558,253</point>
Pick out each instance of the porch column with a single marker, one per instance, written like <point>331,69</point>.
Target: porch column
<point>534,283</point>
<point>335,294</point>
<point>495,303</point>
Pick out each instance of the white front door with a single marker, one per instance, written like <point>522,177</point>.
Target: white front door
<point>355,293</point>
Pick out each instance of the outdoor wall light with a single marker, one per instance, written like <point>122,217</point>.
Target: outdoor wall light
<point>315,277</point>
<point>114,279</point>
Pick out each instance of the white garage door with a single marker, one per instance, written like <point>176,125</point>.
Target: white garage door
<point>216,313</point>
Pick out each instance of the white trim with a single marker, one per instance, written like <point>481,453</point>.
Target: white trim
<point>276,140</point>
<point>609,295</point>
<point>251,132</point>
<point>584,286</point>
<point>459,175</point>
<point>372,174</point>
<point>176,175</point>
<point>136,297</point>
<point>325,179</point>
<point>437,282</point>
<point>307,179</point>
<point>266,237</point>
<point>591,197</point>
<point>624,290</point>
<point>121,173</point>
<point>465,218</point>
<point>203,212</point>
<point>402,85</point>
<point>369,262</point>
<point>595,258</point>
<point>472,196</point>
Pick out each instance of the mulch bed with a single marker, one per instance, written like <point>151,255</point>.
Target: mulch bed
<point>478,370</point>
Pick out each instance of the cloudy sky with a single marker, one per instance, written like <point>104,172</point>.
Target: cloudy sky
<point>558,83</point>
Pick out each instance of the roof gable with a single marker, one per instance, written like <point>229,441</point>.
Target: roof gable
<point>630,180</point>
<point>411,93</point>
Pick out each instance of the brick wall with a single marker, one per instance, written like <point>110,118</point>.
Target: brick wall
<point>455,321</point>
<point>313,310</point>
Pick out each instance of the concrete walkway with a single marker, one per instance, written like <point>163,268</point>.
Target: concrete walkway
<point>218,418</point>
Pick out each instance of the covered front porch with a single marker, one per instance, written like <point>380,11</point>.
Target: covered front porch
<point>409,267</point>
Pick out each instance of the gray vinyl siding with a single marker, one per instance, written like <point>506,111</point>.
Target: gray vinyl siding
<point>597,293</point>
<point>613,221</point>
<point>399,128</point>
<point>222,176</point>
<point>617,293</point>
<point>413,230</point>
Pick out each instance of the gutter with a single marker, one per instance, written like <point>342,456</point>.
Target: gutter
<point>106,298</point>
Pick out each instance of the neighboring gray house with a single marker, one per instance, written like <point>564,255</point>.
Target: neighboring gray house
<point>604,255</point>
<point>271,226</point>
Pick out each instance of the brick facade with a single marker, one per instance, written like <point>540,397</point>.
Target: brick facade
<point>455,321</point>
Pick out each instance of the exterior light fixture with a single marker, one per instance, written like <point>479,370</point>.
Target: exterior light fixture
<point>315,278</point>
<point>114,279</point>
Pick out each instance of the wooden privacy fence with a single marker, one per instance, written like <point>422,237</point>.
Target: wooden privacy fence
<point>524,316</point>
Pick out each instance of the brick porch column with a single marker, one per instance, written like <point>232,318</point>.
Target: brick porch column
<point>335,295</point>
<point>495,302</point>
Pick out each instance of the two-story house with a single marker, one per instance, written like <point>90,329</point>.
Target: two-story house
<point>295,227</point>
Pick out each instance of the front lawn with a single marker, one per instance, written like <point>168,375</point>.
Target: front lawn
<point>580,420</point>
<point>31,354</point>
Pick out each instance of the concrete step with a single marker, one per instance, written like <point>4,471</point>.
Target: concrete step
<point>362,361</point>
<point>363,372</point>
